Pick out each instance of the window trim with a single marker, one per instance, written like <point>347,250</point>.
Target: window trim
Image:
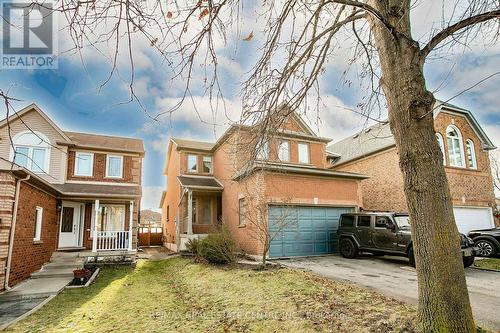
<point>38,224</point>
<point>75,171</point>
<point>451,128</point>
<point>45,145</point>
<point>305,144</point>
<point>287,142</point>
<point>241,220</point>
<point>211,163</point>
<point>108,156</point>
<point>195,164</point>
<point>472,154</point>
<point>440,141</point>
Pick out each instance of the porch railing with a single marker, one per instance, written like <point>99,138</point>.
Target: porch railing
<point>112,240</point>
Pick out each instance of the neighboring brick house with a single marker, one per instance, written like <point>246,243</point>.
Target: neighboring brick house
<point>465,149</point>
<point>214,184</point>
<point>53,184</point>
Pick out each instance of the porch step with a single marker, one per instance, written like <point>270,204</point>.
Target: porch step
<point>53,273</point>
<point>58,265</point>
<point>64,255</point>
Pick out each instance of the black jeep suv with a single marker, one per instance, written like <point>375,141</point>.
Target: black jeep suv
<point>384,233</point>
<point>486,241</point>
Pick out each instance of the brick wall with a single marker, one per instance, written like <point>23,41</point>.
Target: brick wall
<point>384,190</point>
<point>7,196</point>
<point>131,169</point>
<point>29,256</point>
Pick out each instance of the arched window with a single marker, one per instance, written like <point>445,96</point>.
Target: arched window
<point>441,146</point>
<point>32,151</point>
<point>471,154</point>
<point>455,147</point>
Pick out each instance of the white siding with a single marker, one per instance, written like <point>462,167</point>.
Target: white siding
<point>35,122</point>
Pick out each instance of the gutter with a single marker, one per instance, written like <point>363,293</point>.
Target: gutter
<point>13,231</point>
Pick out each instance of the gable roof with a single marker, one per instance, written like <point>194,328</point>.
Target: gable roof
<point>106,142</point>
<point>378,137</point>
<point>369,141</point>
<point>34,107</point>
<point>192,144</point>
<point>83,140</point>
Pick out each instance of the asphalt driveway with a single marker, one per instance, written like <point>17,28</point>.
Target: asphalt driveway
<point>393,277</point>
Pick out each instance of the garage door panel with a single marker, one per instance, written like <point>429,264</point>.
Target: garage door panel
<point>471,218</point>
<point>313,233</point>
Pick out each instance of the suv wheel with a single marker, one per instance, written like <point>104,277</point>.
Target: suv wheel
<point>485,248</point>
<point>468,261</point>
<point>348,249</point>
<point>411,257</point>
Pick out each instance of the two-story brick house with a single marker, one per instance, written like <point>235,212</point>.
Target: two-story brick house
<point>465,149</point>
<point>63,190</point>
<point>210,184</point>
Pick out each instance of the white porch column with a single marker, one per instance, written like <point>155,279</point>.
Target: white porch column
<point>94,231</point>
<point>190,213</point>
<point>131,221</point>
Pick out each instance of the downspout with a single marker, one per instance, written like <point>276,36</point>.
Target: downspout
<point>13,231</point>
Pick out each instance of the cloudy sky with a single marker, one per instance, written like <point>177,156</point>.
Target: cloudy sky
<point>72,95</point>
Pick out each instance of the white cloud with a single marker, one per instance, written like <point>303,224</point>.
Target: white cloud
<point>151,196</point>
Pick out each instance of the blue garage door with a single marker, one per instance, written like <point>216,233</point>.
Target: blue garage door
<point>303,231</point>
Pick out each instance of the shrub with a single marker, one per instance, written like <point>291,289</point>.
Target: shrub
<point>193,246</point>
<point>217,248</point>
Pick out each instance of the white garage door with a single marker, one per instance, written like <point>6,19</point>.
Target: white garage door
<point>471,218</point>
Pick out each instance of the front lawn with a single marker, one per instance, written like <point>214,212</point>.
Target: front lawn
<point>490,263</point>
<point>177,295</point>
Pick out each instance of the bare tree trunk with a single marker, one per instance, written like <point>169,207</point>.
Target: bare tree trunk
<point>443,299</point>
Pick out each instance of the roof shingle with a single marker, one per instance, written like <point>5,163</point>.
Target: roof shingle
<point>205,182</point>
<point>107,142</point>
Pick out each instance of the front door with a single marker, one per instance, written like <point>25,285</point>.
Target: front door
<point>70,225</point>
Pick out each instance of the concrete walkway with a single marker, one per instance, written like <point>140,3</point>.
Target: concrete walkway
<point>155,253</point>
<point>30,295</point>
<point>393,276</point>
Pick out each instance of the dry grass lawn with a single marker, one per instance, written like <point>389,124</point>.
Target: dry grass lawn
<point>177,295</point>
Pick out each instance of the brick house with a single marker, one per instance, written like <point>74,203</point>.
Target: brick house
<point>63,190</point>
<point>465,149</point>
<point>214,184</point>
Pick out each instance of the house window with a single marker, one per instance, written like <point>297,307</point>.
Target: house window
<point>84,163</point>
<point>441,146</point>
<point>455,147</point>
<point>471,154</point>
<point>114,166</point>
<point>192,163</point>
<point>110,218</point>
<point>38,223</point>
<point>31,151</point>
<point>284,151</point>
<point>168,213</point>
<point>207,164</point>
<point>304,153</point>
<point>242,211</point>
<point>262,150</point>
